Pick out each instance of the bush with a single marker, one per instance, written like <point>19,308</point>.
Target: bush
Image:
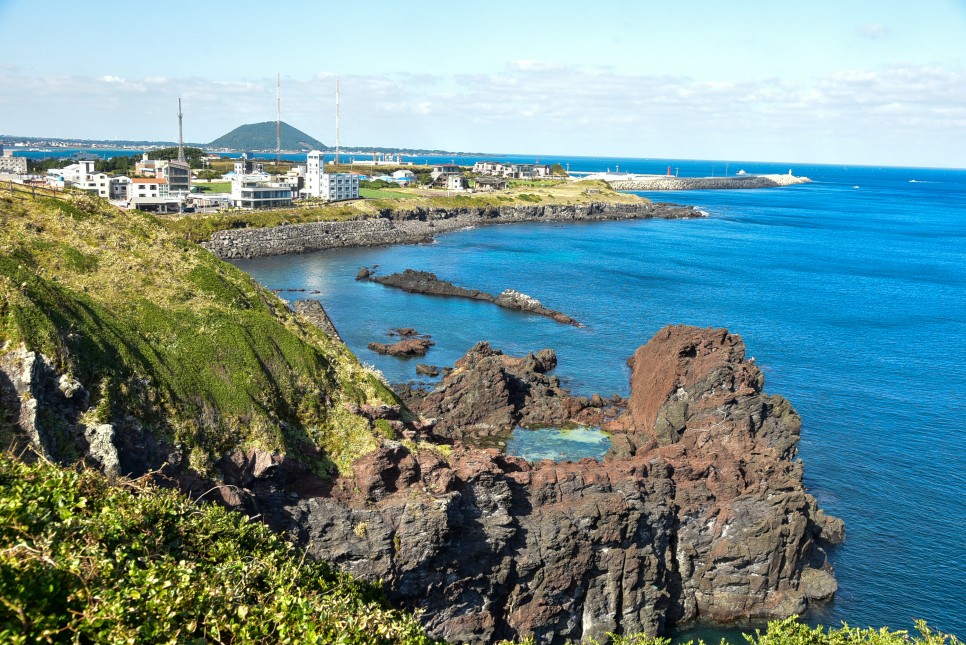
<point>82,560</point>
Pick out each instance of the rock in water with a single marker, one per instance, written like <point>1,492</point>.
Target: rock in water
<point>404,348</point>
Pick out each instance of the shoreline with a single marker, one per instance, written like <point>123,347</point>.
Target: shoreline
<point>421,225</point>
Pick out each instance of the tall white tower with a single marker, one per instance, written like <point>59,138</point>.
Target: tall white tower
<point>337,122</point>
<point>180,133</point>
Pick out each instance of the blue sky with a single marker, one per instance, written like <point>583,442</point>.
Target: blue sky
<point>871,82</point>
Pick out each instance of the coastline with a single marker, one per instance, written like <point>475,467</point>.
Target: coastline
<point>420,225</point>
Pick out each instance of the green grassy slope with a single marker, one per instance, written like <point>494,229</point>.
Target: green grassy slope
<point>157,328</point>
<point>85,561</point>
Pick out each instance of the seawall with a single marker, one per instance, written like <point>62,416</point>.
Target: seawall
<point>709,183</point>
<point>420,225</point>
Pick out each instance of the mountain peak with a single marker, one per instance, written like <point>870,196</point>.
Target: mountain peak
<point>262,137</point>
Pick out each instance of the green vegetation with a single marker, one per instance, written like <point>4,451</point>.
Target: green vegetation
<point>264,136</point>
<point>158,329</point>
<point>84,560</point>
<point>213,187</point>
<point>379,193</point>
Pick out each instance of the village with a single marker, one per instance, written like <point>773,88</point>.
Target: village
<point>245,182</point>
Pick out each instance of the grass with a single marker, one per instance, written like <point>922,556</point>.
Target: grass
<point>86,560</point>
<point>213,187</point>
<point>381,193</point>
<point>158,329</point>
<point>199,227</point>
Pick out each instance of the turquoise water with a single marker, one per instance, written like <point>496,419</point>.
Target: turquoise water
<point>558,444</point>
<point>850,293</point>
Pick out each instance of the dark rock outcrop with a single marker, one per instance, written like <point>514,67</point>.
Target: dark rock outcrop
<point>314,312</point>
<point>488,393</point>
<point>403,348</point>
<point>427,283</point>
<point>698,509</point>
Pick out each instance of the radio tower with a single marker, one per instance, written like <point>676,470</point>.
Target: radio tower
<point>278,120</point>
<point>337,122</point>
<point>180,133</point>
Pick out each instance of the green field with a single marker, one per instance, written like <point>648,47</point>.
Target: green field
<point>381,193</point>
<point>214,187</point>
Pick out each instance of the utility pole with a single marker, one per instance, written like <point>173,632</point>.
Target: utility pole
<point>278,120</point>
<point>337,122</point>
<point>180,133</point>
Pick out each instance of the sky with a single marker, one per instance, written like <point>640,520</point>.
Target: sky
<point>875,82</point>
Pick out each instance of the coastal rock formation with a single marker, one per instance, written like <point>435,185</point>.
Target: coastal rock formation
<point>488,393</point>
<point>707,183</point>
<point>420,225</point>
<point>427,283</point>
<point>403,348</point>
<point>314,312</point>
<point>697,510</point>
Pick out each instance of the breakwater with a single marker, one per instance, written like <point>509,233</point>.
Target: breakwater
<point>420,225</point>
<point>708,183</point>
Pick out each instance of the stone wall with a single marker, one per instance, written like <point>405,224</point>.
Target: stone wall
<point>419,225</point>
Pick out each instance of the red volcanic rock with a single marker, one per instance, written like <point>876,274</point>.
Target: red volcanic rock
<point>698,510</point>
<point>404,348</point>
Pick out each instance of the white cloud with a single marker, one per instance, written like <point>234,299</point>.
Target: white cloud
<point>533,107</point>
<point>874,31</point>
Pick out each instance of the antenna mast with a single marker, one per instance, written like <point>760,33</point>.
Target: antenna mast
<point>180,133</point>
<point>278,120</point>
<point>337,122</point>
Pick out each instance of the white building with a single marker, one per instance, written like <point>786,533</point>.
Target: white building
<point>9,163</point>
<point>176,173</point>
<point>120,188</point>
<point>253,193</point>
<point>80,175</point>
<point>331,187</point>
<point>152,194</point>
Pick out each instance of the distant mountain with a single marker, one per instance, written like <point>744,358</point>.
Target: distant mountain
<point>262,136</point>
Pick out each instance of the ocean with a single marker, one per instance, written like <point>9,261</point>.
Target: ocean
<point>850,292</point>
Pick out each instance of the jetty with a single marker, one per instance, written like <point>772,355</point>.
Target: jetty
<point>665,182</point>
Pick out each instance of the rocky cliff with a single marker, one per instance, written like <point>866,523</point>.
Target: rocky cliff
<point>698,509</point>
<point>418,225</point>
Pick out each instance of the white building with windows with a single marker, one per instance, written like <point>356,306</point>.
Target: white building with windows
<point>9,163</point>
<point>80,175</point>
<point>152,194</point>
<point>332,187</point>
<point>251,192</point>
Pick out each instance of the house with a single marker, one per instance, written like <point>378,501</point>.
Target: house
<point>152,194</point>
<point>80,175</point>
<point>488,168</point>
<point>512,170</point>
<point>247,166</point>
<point>490,183</point>
<point>176,173</point>
<point>119,188</point>
<point>251,192</point>
<point>404,174</point>
<point>456,182</point>
<point>331,187</point>
<point>443,170</point>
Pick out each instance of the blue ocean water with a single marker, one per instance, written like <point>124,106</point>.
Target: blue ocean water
<point>850,292</point>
